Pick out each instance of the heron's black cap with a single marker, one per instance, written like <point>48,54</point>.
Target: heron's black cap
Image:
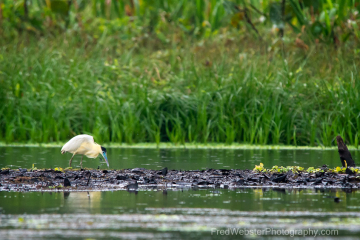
<point>103,149</point>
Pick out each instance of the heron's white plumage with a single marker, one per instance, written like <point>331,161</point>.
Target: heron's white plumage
<point>84,145</point>
<point>75,143</point>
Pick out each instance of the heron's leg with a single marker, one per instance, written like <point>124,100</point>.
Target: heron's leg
<point>81,160</point>
<point>71,159</point>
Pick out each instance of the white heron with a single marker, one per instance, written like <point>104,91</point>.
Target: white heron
<point>84,145</point>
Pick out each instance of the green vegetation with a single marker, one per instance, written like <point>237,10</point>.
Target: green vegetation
<point>296,169</point>
<point>258,169</point>
<point>167,71</point>
<point>321,20</point>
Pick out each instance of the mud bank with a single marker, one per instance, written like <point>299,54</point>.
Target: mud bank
<point>140,178</point>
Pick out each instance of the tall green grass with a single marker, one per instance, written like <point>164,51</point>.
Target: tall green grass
<point>198,91</point>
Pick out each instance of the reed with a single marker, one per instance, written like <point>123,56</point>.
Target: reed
<point>197,91</point>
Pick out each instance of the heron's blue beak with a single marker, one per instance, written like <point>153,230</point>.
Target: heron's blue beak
<point>105,157</point>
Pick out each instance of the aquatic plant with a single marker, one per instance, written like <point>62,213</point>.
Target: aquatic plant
<point>294,169</point>
<point>259,168</point>
<point>343,170</point>
<point>33,168</point>
<point>277,169</point>
<point>59,169</point>
<point>297,169</point>
<point>56,186</point>
<point>314,170</point>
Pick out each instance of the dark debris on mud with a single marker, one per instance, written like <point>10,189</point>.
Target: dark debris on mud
<point>140,178</point>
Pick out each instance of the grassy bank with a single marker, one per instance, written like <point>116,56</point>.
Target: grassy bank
<point>225,89</point>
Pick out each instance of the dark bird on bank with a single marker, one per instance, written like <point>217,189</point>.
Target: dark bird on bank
<point>163,171</point>
<point>278,177</point>
<point>67,182</point>
<point>345,156</point>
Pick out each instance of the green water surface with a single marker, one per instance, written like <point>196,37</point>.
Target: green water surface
<point>185,159</point>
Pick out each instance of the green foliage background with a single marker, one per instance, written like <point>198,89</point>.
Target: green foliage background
<point>259,72</point>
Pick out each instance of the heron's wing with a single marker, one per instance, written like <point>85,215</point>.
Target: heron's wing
<point>73,144</point>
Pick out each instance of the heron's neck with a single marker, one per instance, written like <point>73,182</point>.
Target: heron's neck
<point>97,148</point>
<point>94,151</point>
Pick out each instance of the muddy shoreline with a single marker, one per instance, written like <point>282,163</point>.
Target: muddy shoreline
<point>140,178</point>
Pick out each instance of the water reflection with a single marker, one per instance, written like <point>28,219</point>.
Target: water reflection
<point>81,202</point>
<point>257,200</point>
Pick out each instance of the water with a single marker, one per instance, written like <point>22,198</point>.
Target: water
<point>185,159</point>
<point>178,213</point>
